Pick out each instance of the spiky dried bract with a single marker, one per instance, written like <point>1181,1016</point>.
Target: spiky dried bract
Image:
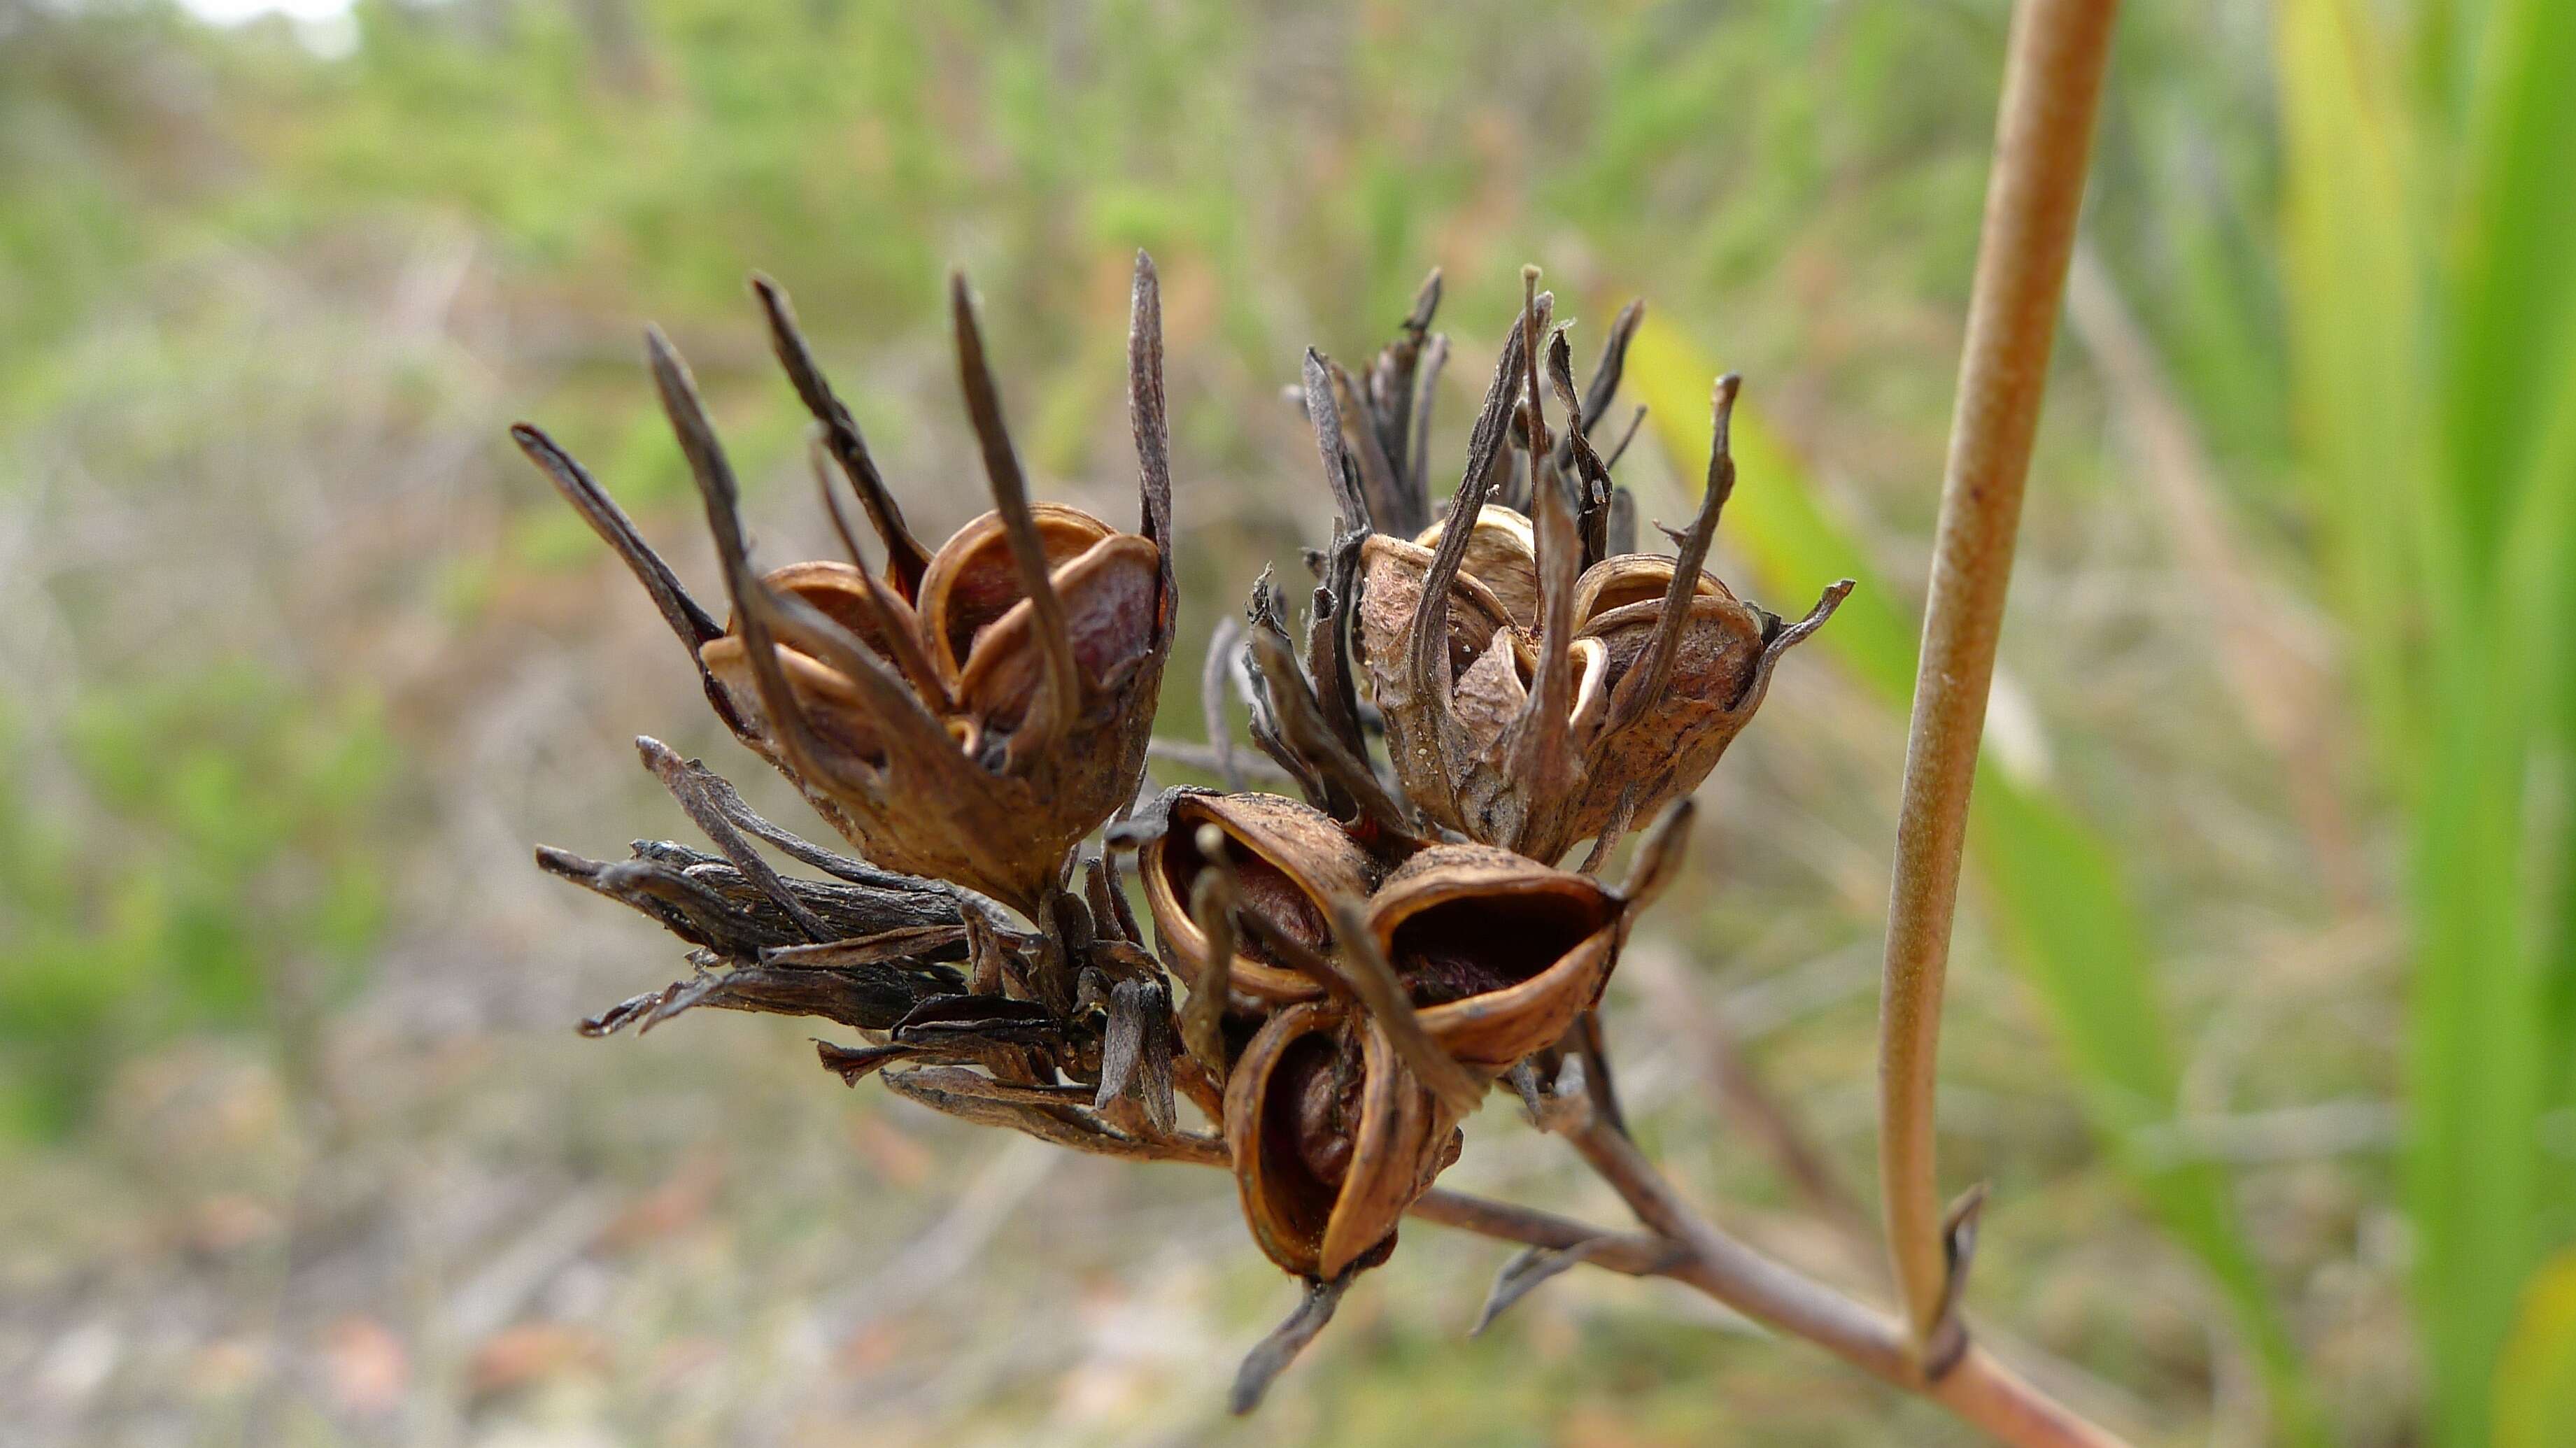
<point>972,715</point>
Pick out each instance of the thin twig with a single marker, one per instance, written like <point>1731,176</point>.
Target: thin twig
<point>1190,754</point>
<point>2052,84</point>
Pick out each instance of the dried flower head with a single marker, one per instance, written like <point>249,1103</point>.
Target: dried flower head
<point>974,713</point>
<point>1497,953</point>
<point>1541,682</point>
<point>1337,983</point>
<point>1289,864</point>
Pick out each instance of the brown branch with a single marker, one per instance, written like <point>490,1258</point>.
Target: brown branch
<point>2052,84</point>
<point>1980,1389</point>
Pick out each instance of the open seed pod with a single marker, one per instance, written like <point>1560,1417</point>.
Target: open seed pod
<point>1499,953</point>
<point>1719,671</point>
<point>975,712</point>
<point>1332,1139</point>
<point>1535,692</point>
<point>1290,863</point>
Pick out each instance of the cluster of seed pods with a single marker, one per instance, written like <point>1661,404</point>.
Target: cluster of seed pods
<point>1336,979</point>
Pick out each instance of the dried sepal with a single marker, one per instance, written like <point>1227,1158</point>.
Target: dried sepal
<point>1271,1356</point>
<point>905,556</point>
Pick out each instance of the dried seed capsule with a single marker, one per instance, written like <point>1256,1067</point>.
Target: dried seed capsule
<point>1551,713</point>
<point>1499,953</point>
<point>1290,863</point>
<point>1331,1138</point>
<point>976,713</point>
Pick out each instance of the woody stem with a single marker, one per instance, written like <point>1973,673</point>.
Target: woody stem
<point>1691,1250</point>
<point>2052,84</point>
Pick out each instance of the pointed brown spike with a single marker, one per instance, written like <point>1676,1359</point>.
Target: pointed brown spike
<point>1789,636</point>
<point>1797,633</point>
<point>1592,505</point>
<point>805,750</point>
<point>893,623</point>
<point>1542,760</point>
<point>703,811</point>
<point>1426,393</point>
<point>1011,500</point>
<point>1274,1353</point>
<point>691,623</point>
<point>1427,663</point>
<point>1324,410</point>
<point>1533,396</point>
<point>905,557</point>
<point>1426,304</point>
<point>1147,414</point>
<point>1646,679</point>
<point>1387,505</point>
<point>1597,395</point>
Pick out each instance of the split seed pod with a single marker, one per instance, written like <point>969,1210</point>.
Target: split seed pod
<point>975,712</point>
<point>1531,702</point>
<point>1499,953</point>
<point>1332,1139</point>
<point>1290,862</point>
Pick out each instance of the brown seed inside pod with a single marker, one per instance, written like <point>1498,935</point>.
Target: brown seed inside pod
<point>1482,943</point>
<point>972,581</point>
<point>1314,1108</point>
<point>1260,887</point>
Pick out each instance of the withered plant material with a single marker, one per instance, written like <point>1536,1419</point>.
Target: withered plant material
<point>1538,690</point>
<point>1288,863</point>
<point>977,712</point>
<point>1332,1139</point>
<point>1499,953</point>
<point>1335,983</point>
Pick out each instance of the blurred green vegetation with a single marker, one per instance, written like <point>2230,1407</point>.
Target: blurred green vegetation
<point>224,881</point>
<point>2346,229</point>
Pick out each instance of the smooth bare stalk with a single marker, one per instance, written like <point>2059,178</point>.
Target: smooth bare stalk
<point>2052,86</point>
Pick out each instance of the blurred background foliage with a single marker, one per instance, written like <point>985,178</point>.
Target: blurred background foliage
<point>2274,841</point>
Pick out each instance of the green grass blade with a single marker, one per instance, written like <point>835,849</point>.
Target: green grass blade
<point>2433,378</point>
<point>2050,880</point>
